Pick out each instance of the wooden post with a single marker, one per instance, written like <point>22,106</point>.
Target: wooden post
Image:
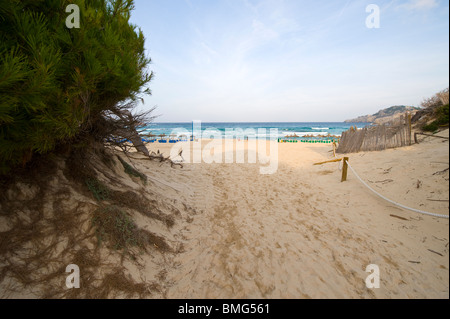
<point>415,138</point>
<point>409,129</point>
<point>344,169</point>
<point>401,132</point>
<point>330,161</point>
<point>334,149</point>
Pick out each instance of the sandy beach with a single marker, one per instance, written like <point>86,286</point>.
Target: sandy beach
<point>301,233</point>
<point>227,231</point>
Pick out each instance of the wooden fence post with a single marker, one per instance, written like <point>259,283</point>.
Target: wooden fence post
<point>409,129</point>
<point>344,169</point>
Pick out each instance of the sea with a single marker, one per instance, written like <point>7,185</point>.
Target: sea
<point>308,130</point>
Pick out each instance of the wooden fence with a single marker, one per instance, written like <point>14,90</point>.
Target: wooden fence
<point>375,138</point>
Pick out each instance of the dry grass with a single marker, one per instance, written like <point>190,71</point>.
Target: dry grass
<point>46,235</point>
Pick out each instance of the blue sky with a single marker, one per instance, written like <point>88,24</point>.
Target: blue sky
<point>291,60</point>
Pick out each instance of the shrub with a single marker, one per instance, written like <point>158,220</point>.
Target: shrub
<point>431,127</point>
<point>442,119</point>
<point>442,115</point>
<point>58,83</point>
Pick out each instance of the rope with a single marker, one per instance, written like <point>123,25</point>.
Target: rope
<point>391,201</point>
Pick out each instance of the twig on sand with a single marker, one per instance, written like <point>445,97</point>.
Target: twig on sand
<point>384,181</point>
<point>441,172</point>
<point>402,218</point>
<point>441,239</point>
<point>414,262</point>
<point>436,252</point>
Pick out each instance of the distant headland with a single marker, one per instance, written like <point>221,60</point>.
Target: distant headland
<point>384,115</point>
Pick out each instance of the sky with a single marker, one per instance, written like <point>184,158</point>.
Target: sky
<point>291,60</point>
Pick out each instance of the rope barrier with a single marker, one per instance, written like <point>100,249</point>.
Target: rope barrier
<point>395,203</point>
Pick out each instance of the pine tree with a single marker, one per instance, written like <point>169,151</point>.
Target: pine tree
<point>58,83</point>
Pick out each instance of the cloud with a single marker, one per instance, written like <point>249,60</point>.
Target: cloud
<point>263,32</point>
<point>413,5</point>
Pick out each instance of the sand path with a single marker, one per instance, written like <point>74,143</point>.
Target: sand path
<point>301,233</point>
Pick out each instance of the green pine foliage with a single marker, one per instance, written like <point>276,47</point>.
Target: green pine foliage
<point>441,115</point>
<point>57,83</point>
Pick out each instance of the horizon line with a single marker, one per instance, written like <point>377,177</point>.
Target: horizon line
<point>167,122</point>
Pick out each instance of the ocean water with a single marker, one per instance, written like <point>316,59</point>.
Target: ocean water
<point>301,129</point>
